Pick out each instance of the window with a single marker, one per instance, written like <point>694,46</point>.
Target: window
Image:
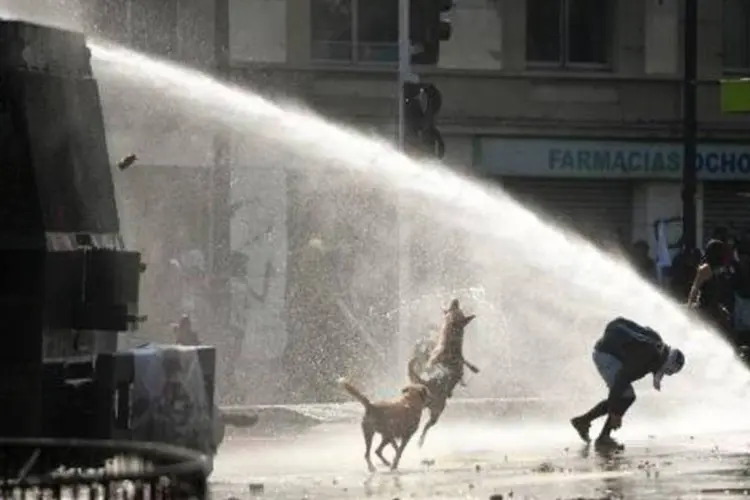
<point>355,30</point>
<point>476,42</point>
<point>568,33</point>
<point>149,26</point>
<point>736,32</point>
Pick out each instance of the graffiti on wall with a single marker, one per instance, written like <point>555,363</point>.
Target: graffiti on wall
<point>672,232</point>
<point>258,233</point>
<point>245,293</point>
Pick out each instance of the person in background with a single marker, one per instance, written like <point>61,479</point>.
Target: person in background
<point>732,252</point>
<point>641,260</point>
<point>625,353</point>
<point>741,287</point>
<point>711,293</point>
<point>721,234</point>
<point>682,273</point>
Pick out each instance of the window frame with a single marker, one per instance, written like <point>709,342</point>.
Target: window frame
<point>733,70</point>
<point>355,44</point>
<point>564,63</point>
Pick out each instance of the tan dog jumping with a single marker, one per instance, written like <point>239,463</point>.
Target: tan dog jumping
<point>394,420</point>
<point>445,367</point>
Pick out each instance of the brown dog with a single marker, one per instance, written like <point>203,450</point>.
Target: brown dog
<point>449,349</point>
<point>397,419</point>
<point>448,359</point>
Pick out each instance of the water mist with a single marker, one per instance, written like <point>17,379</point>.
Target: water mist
<point>542,295</point>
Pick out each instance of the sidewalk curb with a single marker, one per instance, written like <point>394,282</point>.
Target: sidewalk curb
<point>318,413</point>
<point>302,415</point>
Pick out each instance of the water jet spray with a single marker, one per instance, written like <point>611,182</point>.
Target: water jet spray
<point>547,292</point>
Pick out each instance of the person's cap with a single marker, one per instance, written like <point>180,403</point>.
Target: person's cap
<point>675,362</point>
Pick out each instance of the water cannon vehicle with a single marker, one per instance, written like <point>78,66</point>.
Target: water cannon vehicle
<point>70,286</point>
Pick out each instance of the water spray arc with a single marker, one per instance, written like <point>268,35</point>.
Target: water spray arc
<point>549,284</point>
<point>543,289</point>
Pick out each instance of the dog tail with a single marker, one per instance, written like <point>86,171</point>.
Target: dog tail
<point>412,372</point>
<point>348,387</point>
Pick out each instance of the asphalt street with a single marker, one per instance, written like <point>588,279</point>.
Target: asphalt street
<point>478,458</point>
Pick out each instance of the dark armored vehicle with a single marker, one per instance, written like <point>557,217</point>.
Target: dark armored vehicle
<point>69,285</point>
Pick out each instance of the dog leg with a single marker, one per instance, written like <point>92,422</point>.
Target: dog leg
<point>368,432</point>
<point>434,417</point>
<point>379,450</point>
<point>400,451</point>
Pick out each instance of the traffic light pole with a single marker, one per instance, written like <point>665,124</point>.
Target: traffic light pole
<point>404,62</point>
<point>689,127</point>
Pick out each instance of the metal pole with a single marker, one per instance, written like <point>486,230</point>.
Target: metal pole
<point>220,183</point>
<point>690,125</point>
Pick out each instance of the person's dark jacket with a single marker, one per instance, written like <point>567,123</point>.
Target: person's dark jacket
<point>640,350</point>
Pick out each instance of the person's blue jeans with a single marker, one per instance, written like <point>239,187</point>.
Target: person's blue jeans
<point>608,366</point>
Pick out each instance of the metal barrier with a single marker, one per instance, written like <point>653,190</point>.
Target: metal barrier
<point>82,469</point>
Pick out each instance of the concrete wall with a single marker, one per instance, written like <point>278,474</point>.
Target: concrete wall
<point>487,89</point>
<point>484,80</point>
<point>258,31</point>
<point>653,201</point>
<point>482,69</point>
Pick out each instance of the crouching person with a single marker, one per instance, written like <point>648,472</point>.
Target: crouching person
<point>625,353</point>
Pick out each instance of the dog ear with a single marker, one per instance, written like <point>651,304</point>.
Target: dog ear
<point>453,306</point>
<point>426,393</point>
<point>468,319</point>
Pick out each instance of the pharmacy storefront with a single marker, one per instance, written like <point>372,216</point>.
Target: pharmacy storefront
<point>617,189</point>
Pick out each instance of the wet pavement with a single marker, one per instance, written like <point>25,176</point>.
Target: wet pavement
<point>479,459</point>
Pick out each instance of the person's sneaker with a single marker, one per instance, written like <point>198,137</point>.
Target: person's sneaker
<point>582,428</point>
<point>609,444</point>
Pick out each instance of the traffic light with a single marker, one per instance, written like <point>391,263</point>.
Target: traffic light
<point>427,29</point>
<point>422,102</point>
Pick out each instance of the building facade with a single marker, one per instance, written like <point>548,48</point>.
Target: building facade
<point>573,106</point>
<point>576,108</point>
